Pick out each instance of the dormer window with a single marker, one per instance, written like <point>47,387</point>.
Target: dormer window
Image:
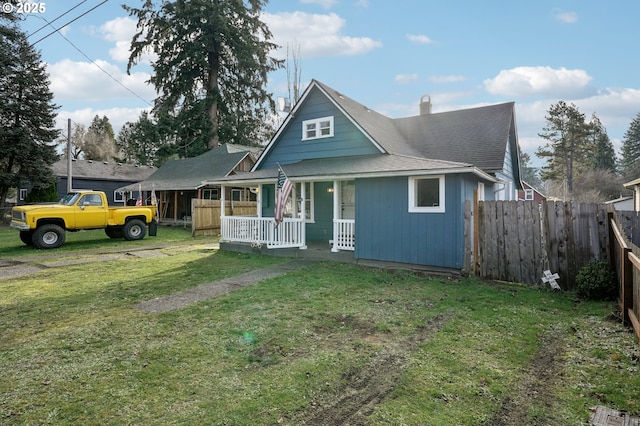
<point>317,128</point>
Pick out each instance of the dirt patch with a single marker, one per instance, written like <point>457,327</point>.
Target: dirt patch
<point>367,387</point>
<point>536,388</point>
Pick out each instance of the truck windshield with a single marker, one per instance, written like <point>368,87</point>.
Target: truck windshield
<point>70,198</point>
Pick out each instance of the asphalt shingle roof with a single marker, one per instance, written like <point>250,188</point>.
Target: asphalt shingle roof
<point>476,135</point>
<point>188,173</point>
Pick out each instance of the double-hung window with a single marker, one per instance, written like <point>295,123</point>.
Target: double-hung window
<point>317,128</point>
<point>528,194</point>
<point>426,194</point>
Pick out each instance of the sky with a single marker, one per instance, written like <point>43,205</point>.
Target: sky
<point>385,54</point>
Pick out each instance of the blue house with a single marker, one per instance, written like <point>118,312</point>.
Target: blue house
<point>385,189</point>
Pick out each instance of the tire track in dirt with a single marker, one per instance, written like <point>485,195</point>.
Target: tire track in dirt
<point>536,388</point>
<point>369,386</point>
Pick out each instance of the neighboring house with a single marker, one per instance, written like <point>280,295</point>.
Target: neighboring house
<point>529,193</point>
<point>634,185</point>
<point>176,182</point>
<point>624,204</point>
<point>387,189</point>
<point>99,175</point>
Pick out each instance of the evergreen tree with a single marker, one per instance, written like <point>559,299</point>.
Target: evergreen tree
<point>27,113</point>
<point>567,134</point>
<point>211,68</point>
<point>99,141</point>
<point>139,142</point>
<point>603,155</point>
<point>528,173</point>
<point>631,150</point>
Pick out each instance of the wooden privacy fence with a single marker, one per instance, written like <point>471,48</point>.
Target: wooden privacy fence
<point>518,240</point>
<point>205,214</point>
<point>625,257</point>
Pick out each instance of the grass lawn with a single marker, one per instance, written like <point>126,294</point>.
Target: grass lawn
<point>325,344</point>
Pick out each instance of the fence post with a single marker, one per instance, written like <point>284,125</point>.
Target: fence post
<point>627,259</point>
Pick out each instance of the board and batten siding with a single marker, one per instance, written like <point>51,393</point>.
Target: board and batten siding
<point>347,140</point>
<point>385,230</point>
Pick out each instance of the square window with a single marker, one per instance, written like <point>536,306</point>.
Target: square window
<point>426,194</point>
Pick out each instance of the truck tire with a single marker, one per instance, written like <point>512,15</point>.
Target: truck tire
<point>135,229</point>
<point>48,236</point>
<point>114,231</point>
<point>26,237</point>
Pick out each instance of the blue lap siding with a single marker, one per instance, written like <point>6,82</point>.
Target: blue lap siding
<point>347,139</point>
<point>385,230</point>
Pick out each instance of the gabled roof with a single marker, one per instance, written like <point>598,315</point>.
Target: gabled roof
<point>476,136</point>
<point>189,173</point>
<point>102,170</point>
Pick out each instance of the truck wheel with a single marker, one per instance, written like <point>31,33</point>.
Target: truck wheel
<point>26,237</point>
<point>113,231</point>
<point>135,229</point>
<point>48,236</point>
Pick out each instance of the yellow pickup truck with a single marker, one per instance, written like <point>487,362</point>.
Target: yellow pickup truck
<point>44,225</point>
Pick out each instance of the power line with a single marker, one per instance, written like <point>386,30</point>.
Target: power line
<point>73,20</point>
<point>81,52</point>
<point>48,23</point>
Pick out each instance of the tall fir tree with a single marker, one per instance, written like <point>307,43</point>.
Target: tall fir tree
<point>213,58</point>
<point>603,156</point>
<point>630,152</point>
<point>27,113</point>
<point>567,134</point>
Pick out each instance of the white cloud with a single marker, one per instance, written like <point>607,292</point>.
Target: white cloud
<point>85,81</point>
<point>406,78</point>
<point>317,35</point>
<point>120,31</point>
<point>419,38</point>
<point>536,81</point>
<point>327,4</point>
<point>566,17</point>
<point>446,79</point>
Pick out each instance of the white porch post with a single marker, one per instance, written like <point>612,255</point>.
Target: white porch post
<point>303,214</point>
<point>336,214</point>
<point>259,201</point>
<point>222,201</point>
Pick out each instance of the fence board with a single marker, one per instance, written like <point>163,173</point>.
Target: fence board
<point>518,240</point>
<point>205,214</point>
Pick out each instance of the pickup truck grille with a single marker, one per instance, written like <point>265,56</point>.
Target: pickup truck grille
<point>17,215</point>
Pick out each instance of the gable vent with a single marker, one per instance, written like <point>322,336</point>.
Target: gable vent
<point>425,105</point>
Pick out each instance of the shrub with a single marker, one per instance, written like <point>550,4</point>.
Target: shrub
<point>596,281</point>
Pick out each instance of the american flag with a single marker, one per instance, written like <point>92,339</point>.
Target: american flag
<point>282,194</point>
<point>139,199</point>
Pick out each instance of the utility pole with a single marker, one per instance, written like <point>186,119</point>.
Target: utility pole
<point>69,173</point>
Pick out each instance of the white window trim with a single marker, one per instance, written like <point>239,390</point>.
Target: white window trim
<point>316,122</point>
<point>119,197</point>
<point>528,194</point>
<point>23,194</point>
<point>412,195</point>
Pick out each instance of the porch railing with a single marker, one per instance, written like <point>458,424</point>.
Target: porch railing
<point>344,235</point>
<point>260,230</point>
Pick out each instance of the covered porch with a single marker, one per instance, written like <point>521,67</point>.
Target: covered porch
<point>317,213</point>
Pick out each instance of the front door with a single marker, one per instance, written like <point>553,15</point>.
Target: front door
<point>90,212</point>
